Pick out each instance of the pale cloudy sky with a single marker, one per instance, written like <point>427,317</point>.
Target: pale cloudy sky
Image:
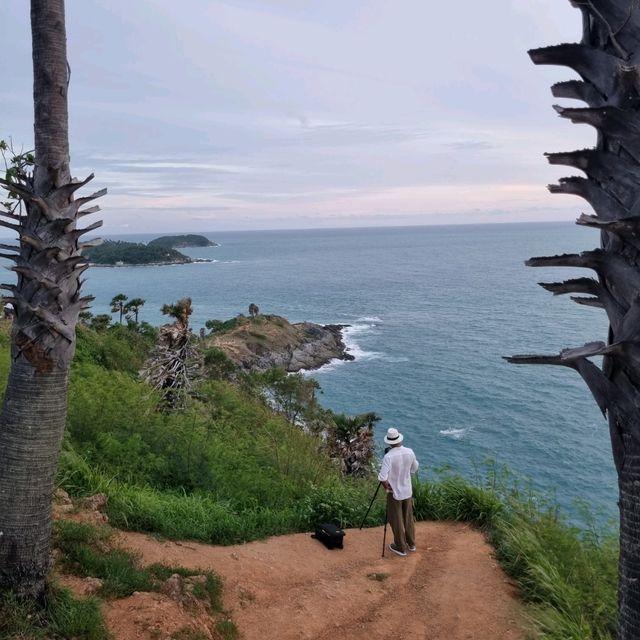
<point>255,114</point>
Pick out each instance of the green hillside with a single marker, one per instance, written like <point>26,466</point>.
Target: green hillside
<point>181,241</point>
<point>112,252</point>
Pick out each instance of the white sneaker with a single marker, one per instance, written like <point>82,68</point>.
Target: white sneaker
<point>396,550</point>
<point>412,547</point>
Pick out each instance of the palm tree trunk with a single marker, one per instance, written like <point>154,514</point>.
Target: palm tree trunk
<point>31,428</point>
<point>607,61</point>
<point>50,84</point>
<point>629,593</point>
<point>47,302</point>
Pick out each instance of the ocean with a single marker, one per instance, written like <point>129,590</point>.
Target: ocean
<point>431,310</point>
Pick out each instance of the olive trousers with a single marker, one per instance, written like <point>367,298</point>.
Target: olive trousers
<point>400,517</point>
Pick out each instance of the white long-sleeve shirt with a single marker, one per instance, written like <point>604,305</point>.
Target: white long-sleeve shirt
<point>397,466</point>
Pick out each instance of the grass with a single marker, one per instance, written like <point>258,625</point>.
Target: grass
<point>188,633</point>
<point>87,552</point>
<point>61,617</point>
<point>568,578</point>
<point>227,629</point>
<point>378,577</point>
<point>567,575</point>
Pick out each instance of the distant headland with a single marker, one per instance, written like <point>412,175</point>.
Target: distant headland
<point>181,242</point>
<point>159,251</point>
<point>266,341</point>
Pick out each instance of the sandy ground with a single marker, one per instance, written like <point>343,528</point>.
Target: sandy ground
<point>293,588</point>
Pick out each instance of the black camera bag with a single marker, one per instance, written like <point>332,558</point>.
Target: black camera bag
<point>330,535</point>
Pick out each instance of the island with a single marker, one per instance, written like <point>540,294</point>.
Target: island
<point>118,253</point>
<point>182,242</point>
<point>267,341</point>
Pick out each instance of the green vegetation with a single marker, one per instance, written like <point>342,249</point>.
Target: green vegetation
<point>114,251</point>
<point>121,305</point>
<point>227,629</point>
<point>218,365</point>
<point>62,617</point>
<point>181,242</point>
<point>113,348</point>
<point>228,468</point>
<point>567,575</point>
<point>223,326</point>
<point>187,633</point>
<point>87,552</point>
<point>378,577</point>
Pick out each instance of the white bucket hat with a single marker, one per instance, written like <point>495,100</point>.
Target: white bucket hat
<point>393,436</point>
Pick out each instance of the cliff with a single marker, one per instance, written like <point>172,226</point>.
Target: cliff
<point>268,341</point>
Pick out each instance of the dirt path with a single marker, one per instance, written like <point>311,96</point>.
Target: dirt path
<point>292,588</point>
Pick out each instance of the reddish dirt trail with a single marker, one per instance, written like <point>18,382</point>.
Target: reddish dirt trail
<point>292,588</point>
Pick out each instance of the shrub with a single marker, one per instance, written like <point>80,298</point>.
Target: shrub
<point>218,365</point>
<point>117,348</point>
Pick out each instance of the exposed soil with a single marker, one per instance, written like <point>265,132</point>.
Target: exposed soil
<point>291,587</point>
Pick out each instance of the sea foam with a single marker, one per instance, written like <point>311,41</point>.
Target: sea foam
<point>455,434</point>
<point>350,335</point>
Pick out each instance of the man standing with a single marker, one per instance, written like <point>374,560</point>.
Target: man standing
<point>395,474</point>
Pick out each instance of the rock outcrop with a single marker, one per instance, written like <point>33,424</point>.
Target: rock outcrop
<point>269,341</point>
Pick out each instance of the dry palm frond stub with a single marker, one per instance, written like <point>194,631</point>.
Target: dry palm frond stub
<point>175,362</point>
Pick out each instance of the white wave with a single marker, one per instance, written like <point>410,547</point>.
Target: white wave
<point>332,365</point>
<point>349,335</point>
<point>357,328</point>
<point>395,359</point>
<point>455,434</point>
<point>369,319</point>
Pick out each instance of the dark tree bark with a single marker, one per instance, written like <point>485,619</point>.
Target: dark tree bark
<point>47,302</point>
<point>608,62</point>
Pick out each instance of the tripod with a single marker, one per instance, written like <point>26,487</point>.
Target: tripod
<point>386,517</point>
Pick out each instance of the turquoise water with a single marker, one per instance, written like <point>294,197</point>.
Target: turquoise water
<point>432,310</point>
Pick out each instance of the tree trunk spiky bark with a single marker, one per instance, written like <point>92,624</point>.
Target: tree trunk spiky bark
<point>47,301</point>
<point>608,62</point>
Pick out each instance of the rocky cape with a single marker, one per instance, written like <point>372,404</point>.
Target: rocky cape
<point>118,253</point>
<point>268,341</point>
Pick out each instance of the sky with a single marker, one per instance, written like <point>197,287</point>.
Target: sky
<point>205,115</point>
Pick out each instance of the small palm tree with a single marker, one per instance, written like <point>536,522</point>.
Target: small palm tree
<point>133,307</point>
<point>118,304</point>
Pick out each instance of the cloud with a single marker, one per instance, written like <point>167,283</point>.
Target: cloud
<point>471,145</point>
<point>305,113</point>
<point>197,166</point>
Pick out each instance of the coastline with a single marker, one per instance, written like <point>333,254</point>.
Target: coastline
<point>152,264</point>
<point>270,341</point>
